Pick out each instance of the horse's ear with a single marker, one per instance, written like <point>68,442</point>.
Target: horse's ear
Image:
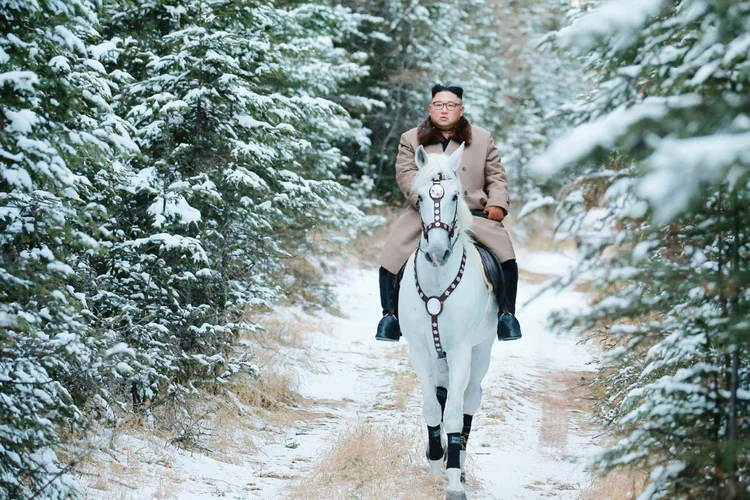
<point>455,159</point>
<point>421,157</point>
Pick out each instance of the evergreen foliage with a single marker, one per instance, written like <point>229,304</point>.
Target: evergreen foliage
<point>238,162</point>
<point>163,160</point>
<point>58,134</point>
<point>154,182</point>
<point>488,47</point>
<point>660,174</point>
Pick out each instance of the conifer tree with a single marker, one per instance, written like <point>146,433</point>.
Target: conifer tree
<point>659,165</point>
<point>411,46</point>
<point>239,162</point>
<point>57,133</point>
<point>490,48</point>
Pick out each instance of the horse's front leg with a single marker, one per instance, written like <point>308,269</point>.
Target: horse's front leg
<point>423,366</point>
<point>459,371</point>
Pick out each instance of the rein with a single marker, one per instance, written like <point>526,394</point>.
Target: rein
<point>434,305</point>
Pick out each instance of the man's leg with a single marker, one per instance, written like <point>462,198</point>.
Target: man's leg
<point>508,327</point>
<point>388,328</point>
<point>510,276</point>
<point>504,279</point>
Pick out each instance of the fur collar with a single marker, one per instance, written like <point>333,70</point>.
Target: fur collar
<point>427,133</point>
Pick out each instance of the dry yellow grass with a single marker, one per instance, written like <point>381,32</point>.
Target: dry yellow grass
<point>279,350</point>
<point>539,231</point>
<point>368,462</point>
<point>121,471</point>
<point>168,485</point>
<point>533,278</point>
<point>367,247</point>
<point>567,397</point>
<point>404,381</point>
<point>280,330</point>
<point>617,485</point>
<point>220,417</point>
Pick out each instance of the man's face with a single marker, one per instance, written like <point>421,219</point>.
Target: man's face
<point>445,118</point>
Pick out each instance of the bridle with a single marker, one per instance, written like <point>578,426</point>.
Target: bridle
<point>436,194</point>
<point>434,305</point>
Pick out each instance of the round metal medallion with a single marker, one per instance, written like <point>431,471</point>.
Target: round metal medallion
<point>434,306</point>
<point>437,191</point>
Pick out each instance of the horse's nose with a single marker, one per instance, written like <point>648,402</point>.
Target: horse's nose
<point>438,260</point>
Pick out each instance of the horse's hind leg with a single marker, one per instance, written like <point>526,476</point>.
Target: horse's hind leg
<point>431,410</point>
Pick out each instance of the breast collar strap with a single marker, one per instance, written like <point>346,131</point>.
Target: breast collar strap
<point>434,305</point>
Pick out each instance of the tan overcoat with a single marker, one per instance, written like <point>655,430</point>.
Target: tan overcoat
<point>484,182</point>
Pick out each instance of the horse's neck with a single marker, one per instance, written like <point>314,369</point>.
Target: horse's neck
<point>434,280</point>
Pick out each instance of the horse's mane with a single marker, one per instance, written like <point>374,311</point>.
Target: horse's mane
<point>437,164</point>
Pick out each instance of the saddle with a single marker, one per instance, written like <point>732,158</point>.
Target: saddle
<point>493,273</point>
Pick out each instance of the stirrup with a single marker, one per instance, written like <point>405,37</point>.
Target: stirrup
<point>388,329</point>
<point>508,327</point>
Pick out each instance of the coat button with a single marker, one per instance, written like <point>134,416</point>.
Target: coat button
<point>466,193</point>
<point>463,168</point>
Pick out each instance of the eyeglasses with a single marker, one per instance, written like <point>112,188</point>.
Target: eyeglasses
<point>450,105</point>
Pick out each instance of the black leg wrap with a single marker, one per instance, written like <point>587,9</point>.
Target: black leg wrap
<point>434,446</point>
<point>466,431</point>
<point>454,450</point>
<point>442,396</point>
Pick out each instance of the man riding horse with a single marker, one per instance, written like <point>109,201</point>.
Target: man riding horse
<point>485,191</point>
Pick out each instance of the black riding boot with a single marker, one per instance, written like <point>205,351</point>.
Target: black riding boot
<point>508,327</point>
<point>388,328</point>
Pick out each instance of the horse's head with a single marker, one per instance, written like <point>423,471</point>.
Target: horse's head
<point>441,206</point>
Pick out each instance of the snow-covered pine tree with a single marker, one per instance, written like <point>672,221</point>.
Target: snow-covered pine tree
<point>239,164</point>
<point>57,136</point>
<point>526,107</point>
<point>660,169</point>
<point>489,47</point>
<point>412,47</point>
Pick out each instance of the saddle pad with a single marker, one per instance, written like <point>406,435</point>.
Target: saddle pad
<point>493,273</point>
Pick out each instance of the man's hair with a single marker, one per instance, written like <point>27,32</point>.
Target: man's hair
<point>452,88</point>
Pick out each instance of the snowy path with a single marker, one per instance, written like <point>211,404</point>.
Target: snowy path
<point>530,431</point>
<point>528,437</point>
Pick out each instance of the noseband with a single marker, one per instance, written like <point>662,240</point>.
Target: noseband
<point>436,193</point>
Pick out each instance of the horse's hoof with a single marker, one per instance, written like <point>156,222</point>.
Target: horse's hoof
<point>455,495</point>
<point>436,467</point>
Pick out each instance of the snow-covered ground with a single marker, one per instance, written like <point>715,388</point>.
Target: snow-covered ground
<point>529,440</point>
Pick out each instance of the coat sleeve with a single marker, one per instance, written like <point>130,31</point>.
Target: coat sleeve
<point>406,169</point>
<point>496,179</point>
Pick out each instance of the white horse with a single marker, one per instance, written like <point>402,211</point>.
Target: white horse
<point>447,313</point>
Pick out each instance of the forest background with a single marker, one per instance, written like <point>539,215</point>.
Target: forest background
<point>164,161</point>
